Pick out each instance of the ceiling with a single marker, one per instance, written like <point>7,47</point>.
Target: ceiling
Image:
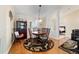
<point>33,10</point>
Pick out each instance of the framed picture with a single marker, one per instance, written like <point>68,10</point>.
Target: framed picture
<point>10,15</point>
<point>62,30</point>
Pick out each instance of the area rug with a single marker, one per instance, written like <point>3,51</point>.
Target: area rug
<point>70,47</point>
<point>38,48</point>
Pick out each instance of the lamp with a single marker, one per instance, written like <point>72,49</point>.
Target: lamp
<point>37,22</point>
<point>40,20</point>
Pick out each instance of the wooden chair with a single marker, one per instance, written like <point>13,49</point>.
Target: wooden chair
<point>44,38</point>
<point>18,36</point>
<point>30,33</point>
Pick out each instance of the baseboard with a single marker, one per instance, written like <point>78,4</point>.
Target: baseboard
<point>58,38</point>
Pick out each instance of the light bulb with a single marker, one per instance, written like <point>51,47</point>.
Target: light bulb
<point>40,20</point>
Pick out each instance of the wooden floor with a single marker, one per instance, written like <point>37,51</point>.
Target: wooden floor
<point>18,48</point>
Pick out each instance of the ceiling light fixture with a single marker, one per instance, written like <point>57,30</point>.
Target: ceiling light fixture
<point>39,13</point>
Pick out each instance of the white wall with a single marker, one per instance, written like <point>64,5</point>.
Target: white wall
<point>52,23</point>
<point>2,29</point>
<point>5,28</point>
<point>70,18</point>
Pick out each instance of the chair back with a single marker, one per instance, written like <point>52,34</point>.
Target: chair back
<point>30,33</point>
<point>47,30</point>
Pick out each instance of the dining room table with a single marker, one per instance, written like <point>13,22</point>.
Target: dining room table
<point>38,33</point>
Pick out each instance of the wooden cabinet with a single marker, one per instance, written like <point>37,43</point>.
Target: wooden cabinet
<point>21,27</point>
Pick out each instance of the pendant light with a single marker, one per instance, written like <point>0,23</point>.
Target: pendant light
<point>39,13</point>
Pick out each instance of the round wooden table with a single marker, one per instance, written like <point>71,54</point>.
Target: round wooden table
<point>38,34</point>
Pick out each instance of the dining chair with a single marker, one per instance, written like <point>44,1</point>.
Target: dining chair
<point>44,38</point>
<point>18,35</point>
<point>30,33</point>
